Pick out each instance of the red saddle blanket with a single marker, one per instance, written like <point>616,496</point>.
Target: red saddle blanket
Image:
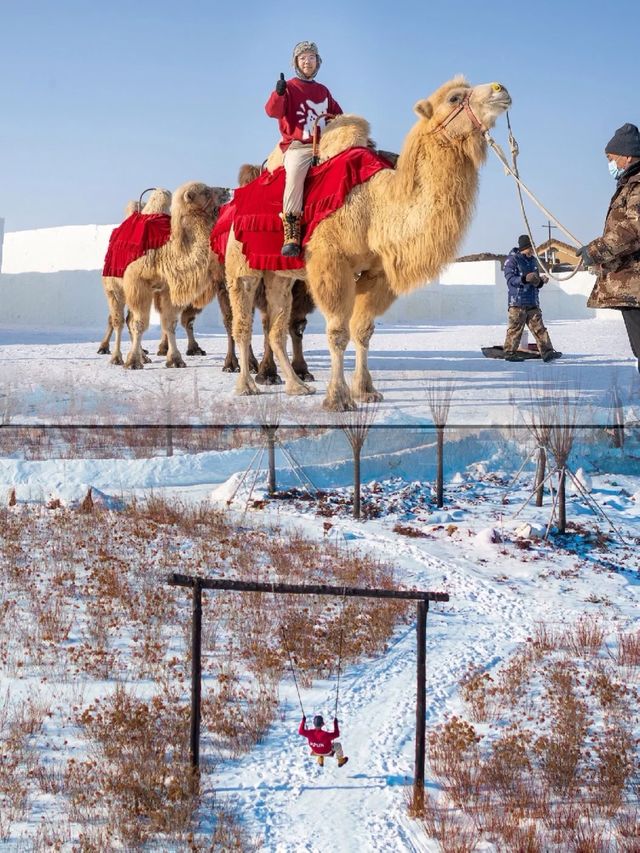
<point>135,236</point>
<point>255,210</point>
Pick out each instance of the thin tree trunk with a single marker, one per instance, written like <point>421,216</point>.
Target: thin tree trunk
<point>562,504</point>
<point>356,480</point>
<point>169,441</point>
<point>540,472</point>
<point>439,466</point>
<point>271,448</point>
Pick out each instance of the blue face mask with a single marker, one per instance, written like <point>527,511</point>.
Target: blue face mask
<point>614,171</point>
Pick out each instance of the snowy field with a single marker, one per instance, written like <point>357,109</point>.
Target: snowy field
<point>499,590</point>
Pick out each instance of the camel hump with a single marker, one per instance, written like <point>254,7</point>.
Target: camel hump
<point>344,131</point>
<point>158,202</point>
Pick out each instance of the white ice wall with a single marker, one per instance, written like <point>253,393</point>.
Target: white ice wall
<point>52,277</point>
<point>71,247</point>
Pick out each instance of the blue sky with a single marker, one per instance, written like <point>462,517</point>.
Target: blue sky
<point>100,100</point>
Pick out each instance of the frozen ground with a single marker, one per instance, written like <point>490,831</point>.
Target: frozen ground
<point>498,592</point>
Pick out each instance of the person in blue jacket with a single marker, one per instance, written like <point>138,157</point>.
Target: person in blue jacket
<point>524,282</point>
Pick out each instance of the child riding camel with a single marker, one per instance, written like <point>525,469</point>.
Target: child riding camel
<point>297,103</point>
<point>322,742</point>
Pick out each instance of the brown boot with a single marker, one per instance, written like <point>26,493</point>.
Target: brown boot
<point>320,760</point>
<point>291,223</point>
<point>342,761</point>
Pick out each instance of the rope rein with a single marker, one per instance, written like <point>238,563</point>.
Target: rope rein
<point>520,186</point>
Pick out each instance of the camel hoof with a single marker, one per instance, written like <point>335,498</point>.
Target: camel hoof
<point>104,351</point>
<point>246,388</point>
<point>339,405</point>
<point>231,368</point>
<point>176,361</point>
<point>162,350</point>
<point>133,364</point>
<point>196,350</point>
<point>299,390</point>
<point>268,379</point>
<point>254,367</point>
<point>368,396</point>
<point>116,358</point>
<point>145,358</point>
<point>305,375</point>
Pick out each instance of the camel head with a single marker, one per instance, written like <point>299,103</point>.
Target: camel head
<point>158,202</point>
<point>195,200</point>
<point>458,113</point>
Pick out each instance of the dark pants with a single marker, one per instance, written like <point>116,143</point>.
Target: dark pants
<point>631,317</point>
<point>533,319</point>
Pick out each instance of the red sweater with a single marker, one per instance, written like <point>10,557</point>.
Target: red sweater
<point>319,739</point>
<point>297,109</point>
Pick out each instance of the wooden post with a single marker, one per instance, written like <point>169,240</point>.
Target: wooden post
<point>357,450</point>
<point>196,679</point>
<point>271,449</point>
<point>439,466</point>
<point>421,706</point>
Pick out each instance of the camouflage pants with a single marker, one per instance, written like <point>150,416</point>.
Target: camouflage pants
<point>532,317</point>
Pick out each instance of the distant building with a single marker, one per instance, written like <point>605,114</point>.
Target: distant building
<point>554,253</point>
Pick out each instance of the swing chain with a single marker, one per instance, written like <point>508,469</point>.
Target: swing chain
<point>293,671</point>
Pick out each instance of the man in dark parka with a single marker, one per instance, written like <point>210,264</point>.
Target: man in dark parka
<point>616,255</point>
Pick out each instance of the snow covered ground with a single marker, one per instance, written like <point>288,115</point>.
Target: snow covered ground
<point>498,591</point>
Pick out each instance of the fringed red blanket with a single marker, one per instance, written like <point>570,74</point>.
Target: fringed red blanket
<point>254,211</point>
<point>129,241</point>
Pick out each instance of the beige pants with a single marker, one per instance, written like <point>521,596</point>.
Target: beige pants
<point>297,160</point>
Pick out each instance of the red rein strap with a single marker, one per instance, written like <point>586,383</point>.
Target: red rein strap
<point>463,105</point>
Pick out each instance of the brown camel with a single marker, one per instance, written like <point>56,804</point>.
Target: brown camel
<point>393,234</point>
<point>180,272</point>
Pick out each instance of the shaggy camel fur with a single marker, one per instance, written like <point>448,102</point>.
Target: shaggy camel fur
<point>393,234</point>
<point>179,272</point>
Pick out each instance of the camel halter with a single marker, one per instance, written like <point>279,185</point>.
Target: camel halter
<point>520,186</point>
<point>463,105</point>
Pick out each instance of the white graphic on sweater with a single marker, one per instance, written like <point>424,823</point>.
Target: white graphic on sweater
<point>308,114</point>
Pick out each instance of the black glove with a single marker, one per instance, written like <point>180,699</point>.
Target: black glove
<point>532,278</point>
<point>583,254</point>
<point>281,85</point>
<point>543,280</point>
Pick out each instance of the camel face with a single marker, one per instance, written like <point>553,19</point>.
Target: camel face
<point>459,109</point>
<point>195,197</point>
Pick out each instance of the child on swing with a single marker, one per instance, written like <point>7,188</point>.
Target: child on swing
<point>297,103</point>
<point>323,742</point>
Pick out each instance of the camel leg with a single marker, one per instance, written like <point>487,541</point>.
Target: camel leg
<point>231,364</point>
<point>242,293</point>
<point>187,319</point>
<point>138,324</point>
<point>301,305</point>
<point>145,352</point>
<point>116,314</point>
<point>278,293</point>
<point>373,297</point>
<point>104,349</point>
<point>332,287</point>
<point>267,371</point>
<point>169,320</point>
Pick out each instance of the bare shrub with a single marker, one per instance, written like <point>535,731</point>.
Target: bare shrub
<point>586,636</point>
<point>145,783</point>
